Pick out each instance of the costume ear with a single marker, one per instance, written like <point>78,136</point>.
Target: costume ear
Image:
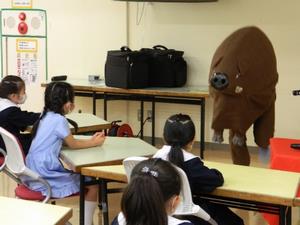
<point>241,66</point>
<point>217,62</point>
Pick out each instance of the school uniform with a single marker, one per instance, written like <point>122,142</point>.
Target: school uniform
<point>203,180</point>
<point>120,220</point>
<point>14,120</point>
<point>43,157</point>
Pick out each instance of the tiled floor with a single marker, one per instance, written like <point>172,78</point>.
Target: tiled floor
<point>250,218</point>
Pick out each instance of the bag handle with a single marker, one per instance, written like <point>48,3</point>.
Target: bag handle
<point>125,49</point>
<point>160,47</point>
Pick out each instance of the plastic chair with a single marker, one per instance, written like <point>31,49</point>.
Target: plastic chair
<point>3,159</point>
<point>186,205</point>
<point>14,167</point>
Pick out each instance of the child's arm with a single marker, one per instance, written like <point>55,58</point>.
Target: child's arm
<point>97,139</point>
<point>202,179</point>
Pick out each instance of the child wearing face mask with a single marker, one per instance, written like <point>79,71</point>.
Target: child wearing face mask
<point>49,133</point>
<point>12,118</point>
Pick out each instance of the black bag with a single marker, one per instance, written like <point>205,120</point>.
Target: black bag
<point>167,68</point>
<point>126,69</point>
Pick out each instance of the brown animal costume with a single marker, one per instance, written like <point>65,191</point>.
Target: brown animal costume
<point>242,77</point>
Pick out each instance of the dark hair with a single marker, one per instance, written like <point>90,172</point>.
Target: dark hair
<point>179,130</point>
<point>56,95</point>
<point>153,182</point>
<point>11,84</point>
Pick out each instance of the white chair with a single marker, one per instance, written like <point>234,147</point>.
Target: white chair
<point>3,159</point>
<point>186,205</point>
<point>14,167</point>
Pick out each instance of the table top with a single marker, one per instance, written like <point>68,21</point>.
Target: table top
<point>257,184</point>
<point>88,122</point>
<point>99,86</point>
<point>113,151</point>
<point>241,182</point>
<point>16,211</point>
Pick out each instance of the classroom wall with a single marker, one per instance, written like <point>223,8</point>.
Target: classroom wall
<point>79,34</point>
<point>198,29</point>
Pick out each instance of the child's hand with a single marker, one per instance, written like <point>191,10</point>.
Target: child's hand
<point>98,138</point>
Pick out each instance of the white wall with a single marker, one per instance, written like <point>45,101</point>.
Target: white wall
<point>198,29</point>
<point>79,34</point>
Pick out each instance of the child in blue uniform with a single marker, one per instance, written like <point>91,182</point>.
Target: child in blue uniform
<point>12,118</point>
<point>151,196</point>
<point>179,134</point>
<point>49,133</point>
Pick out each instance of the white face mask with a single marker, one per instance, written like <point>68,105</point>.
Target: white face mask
<point>69,107</point>
<point>22,99</point>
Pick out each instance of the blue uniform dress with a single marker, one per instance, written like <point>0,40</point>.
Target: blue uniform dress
<point>43,157</point>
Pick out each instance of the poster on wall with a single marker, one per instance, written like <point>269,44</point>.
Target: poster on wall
<point>21,4</point>
<point>27,59</point>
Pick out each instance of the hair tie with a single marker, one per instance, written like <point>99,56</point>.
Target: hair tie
<point>177,120</point>
<point>150,172</point>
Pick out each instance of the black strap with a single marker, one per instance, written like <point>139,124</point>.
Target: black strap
<point>160,47</point>
<point>74,124</point>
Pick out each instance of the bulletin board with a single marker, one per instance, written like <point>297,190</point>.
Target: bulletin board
<point>24,44</point>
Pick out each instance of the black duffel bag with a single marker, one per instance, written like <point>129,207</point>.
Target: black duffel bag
<point>167,67</point>
<point>126,69</point>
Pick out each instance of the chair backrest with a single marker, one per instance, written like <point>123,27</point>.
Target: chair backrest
<point>15,157</point>
<point>3,159</point>
<point>130,162</point>
<point>15,164</point>
<point>186,205</point>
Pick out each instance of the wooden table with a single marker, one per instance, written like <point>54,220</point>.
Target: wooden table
<point>250,188</point>
<point>183,95</point>
<point>16,211</point>
<point>88,122</point>
<point>113,151</point>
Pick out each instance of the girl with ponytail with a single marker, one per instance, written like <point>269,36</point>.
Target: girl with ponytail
<point>179,134</point>
<point>151,196</point>
<point>12,118</point>
<point>49,133</point>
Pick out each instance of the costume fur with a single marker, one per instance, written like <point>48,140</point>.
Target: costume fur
<point>243,76</point>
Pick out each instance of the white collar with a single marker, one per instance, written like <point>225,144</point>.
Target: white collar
<point>171,220</point>
<point>6,103</point>
<point>174,221</point>
<point>164,151</point>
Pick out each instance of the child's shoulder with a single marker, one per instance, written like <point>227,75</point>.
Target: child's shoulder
<point>55,117</point>
<point>7,104</point>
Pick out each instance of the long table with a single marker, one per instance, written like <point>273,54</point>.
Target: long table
<point>88,122</point>
<point>250,188</point>
<point>16,211</point>
<point>113,151</point>
<point>184,95</point>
